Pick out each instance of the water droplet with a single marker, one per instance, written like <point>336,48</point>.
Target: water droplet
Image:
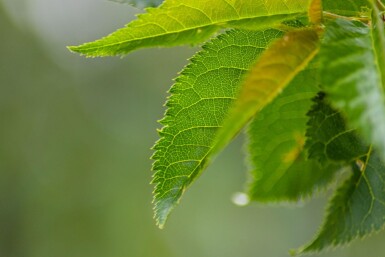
<point>240,199</point>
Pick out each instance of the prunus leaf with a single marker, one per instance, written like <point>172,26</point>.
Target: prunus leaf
<point>179,22</point>
<point>198,104</point>
<point>352,77</point>
<point>358,206</point>
<point>327,132</point>
<point>378,35</point>
<point>346,7</point>
<point>281,171</point>
<point>267,78</point>
<point>140,3</point>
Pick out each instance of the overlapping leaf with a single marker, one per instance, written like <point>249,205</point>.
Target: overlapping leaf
<point>351,75</point>
<point>346,7</point>
<point>198,104</point>
<point>267,78</point>
<point>277,137</point>
<point>358,207</point>
<point>328,139</point>
<point>178,22</point>
<point>378,36</point>
<point>281,171</point>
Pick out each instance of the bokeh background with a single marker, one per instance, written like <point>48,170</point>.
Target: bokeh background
<point>75,139</point>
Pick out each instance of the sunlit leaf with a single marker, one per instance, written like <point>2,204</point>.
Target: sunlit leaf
<point>179,22</point>
<point>198,104</point>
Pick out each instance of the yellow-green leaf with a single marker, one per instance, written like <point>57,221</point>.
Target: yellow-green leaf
<point>179,22</point>
<point>315,12</point>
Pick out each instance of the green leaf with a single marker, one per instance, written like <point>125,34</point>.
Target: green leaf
<point>328,139</point>
<point>351,76</point>
<point>358,207</point>
<point>378,35</point>
<point>277,137</point>
<point>198,104</point>
<point>267,78</point>
<point>179,22</point>
<point>346,7</point>
<point>140,3</point>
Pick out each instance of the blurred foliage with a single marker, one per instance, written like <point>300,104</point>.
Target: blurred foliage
<point>68,186</point>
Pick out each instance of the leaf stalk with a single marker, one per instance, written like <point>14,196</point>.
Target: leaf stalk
<point>336,16</point>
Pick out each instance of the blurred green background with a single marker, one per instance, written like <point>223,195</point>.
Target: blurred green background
<point>75,139</point>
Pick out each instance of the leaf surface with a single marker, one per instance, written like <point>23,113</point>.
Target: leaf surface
<point>358,207</point>
<point>198,104</point>
<point>315,12</point>
<point>277,137</point>
<point>378,35</point>
<point>351,76</point>
<point>346,7</point>
<point>328,138</point>
<point>273,71</point>
<point>179,22</point>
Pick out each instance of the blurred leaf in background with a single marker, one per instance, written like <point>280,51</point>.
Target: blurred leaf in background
<point>70,185</point>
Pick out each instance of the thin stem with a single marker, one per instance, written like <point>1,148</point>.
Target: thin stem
<point>380,5</point>
<point>336,16</point>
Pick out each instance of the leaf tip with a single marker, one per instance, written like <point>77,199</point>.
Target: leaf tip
<point>294,252</point>
<point>77,50</point>
<point>72,49</point>
<point>162,209</point>
<point>303,250</point>
<point>308,249</point>
<point>90,49</point>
